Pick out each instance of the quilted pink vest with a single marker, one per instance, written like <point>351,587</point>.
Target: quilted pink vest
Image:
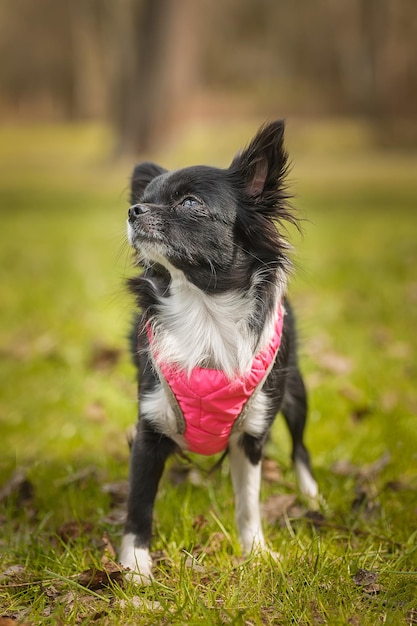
<point>209,402</point>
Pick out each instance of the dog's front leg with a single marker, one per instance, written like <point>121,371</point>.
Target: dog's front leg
<point>246,480</point>
<point>149,453</point>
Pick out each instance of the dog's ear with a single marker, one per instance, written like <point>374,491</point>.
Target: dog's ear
<point>261,167</point>
<point>141,177</point>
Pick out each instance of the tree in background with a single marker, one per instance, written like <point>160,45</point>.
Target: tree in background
<point>145,65</point>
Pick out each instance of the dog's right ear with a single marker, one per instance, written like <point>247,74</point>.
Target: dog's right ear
<point>141,177</point>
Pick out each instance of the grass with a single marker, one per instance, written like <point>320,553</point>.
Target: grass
<point>68,397</point>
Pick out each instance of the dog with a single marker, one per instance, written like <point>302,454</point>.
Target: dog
<point>214,341</point>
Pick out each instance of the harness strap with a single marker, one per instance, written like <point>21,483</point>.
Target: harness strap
<point>207,405</point>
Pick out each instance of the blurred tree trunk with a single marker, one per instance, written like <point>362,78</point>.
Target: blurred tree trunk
<point>89,25</point>
<point>156,50</point>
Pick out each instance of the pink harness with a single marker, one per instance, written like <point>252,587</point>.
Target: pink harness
<point>209,402</point>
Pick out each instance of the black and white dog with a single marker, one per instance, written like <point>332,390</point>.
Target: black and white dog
<point>215,341</point>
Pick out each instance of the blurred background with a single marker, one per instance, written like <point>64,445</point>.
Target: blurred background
<point>89,86</point>
<point>149,67</point>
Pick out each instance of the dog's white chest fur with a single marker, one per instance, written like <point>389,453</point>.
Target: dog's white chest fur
<point>193,329</point>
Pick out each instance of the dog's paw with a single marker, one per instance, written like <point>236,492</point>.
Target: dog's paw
<point>265,553</point>
<point>137,560</point>
<point>272,555</point>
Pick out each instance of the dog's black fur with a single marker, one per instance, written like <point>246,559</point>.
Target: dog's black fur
<point>217,235</point>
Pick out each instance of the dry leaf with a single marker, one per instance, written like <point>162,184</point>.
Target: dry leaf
<point>73,530</point>
<point>18,485</point>
<point>215,543</point>
<point>373,469</point>
<point>117,517</point>
<point>160,557</point>
<point>368,580</point>
<point>109,551</point>
<point>79,477</point>
<point>271,471</point>
<point>367,472</point>
<point>334,363</point>
<point>95,412</point>
<point>358,413</point>
<point>104,357</point>
<point>276,506</point>
<point>11,621</point>
<point>118,492</point>
<point>191,563</point>
<point>14,571</point>
<point>200,522</point>
<point>344,468</point>
<point>97,579</point>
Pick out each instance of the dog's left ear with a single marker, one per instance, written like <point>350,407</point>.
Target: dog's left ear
<point>262,166</point>
<point>142,175</point>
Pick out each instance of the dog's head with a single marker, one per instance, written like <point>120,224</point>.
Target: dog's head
<point>217,226</point>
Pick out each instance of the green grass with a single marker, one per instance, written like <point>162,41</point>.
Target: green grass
<point>68,394</point>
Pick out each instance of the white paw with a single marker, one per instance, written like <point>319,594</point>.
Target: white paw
<point>267,553</point>
<point>306,482</point>
<point>138,560</point>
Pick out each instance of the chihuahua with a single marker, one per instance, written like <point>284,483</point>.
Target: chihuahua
<point>214,341</point>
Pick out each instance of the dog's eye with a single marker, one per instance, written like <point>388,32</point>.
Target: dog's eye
<point>190,202</point>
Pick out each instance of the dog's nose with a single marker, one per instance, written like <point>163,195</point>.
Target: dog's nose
<point>136,210</point>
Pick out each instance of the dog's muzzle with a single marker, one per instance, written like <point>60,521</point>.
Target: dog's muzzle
<point>135,211</point>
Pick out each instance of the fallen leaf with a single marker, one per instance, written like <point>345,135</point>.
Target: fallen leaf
<point>68,600</point>
<point>200,522</point>
<point>215,542</point>
<point>277,506</point>
<point>358,413</point>
<point>51,592</point>
<point>160,557</point>
<point>365,577</point>
<point>95,412</point>
<point>368,580</point>
<point>11,621</point>
<point>334,363</point>
<point>118,492</point>
<point>109,551</point>
<point>367,472</point>
<point>19,486</point>
<point>271,471</point>
<point>191,563</point>
<point>397,485</point>
<point>73,530</point>
<point>372,470</point>
<point>99,578</point>
<point>104,357</point>
<point>343,467</point>
<point>316,518</point>
<point>14,571</point>
<point>79,477</point>
<point>116,517</point>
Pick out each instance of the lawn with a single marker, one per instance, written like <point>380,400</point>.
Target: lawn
<point>68,397</point>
